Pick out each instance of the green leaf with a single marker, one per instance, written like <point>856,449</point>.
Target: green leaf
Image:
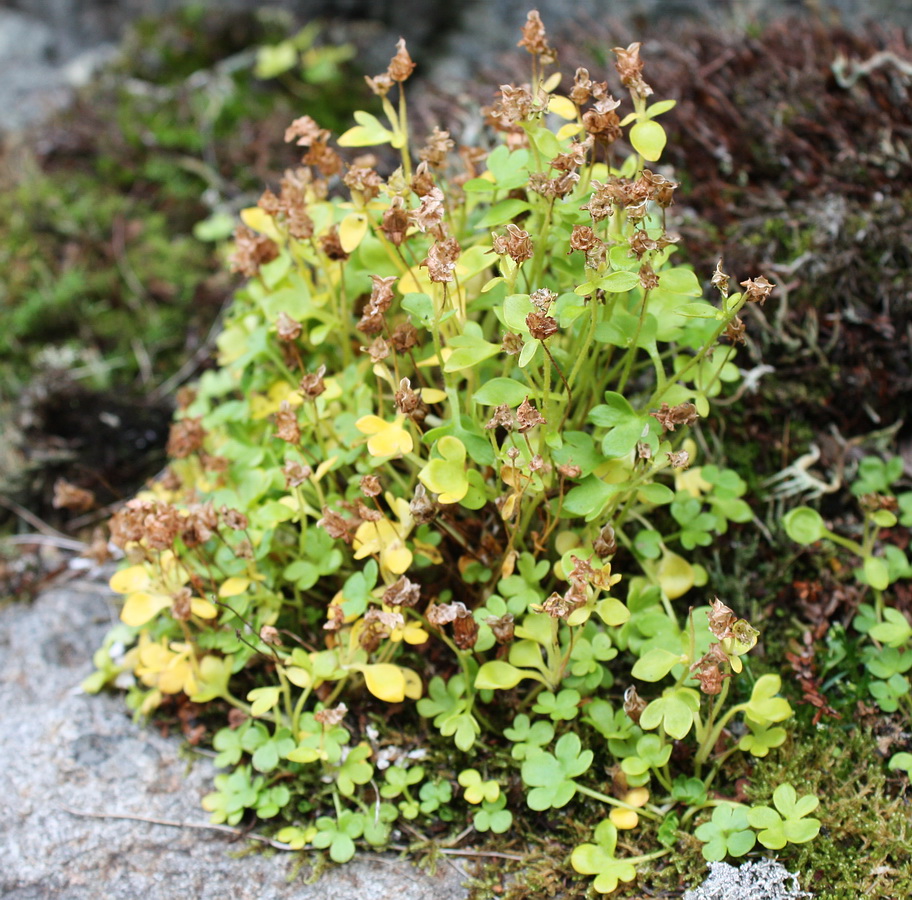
<point>656,664</point>
<point>648,139</point>
<point>764,706</point>
<point>498,391</point>
<point>470,350</point>
<point>619,282</point>
<point>368,132</point>
<point>503,212</point>
<point>498,675</point>
<point>876,573</point>
<point>675,711</point>
<point>804,525</point>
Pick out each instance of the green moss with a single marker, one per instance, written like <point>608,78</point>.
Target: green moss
<point>863,847</point>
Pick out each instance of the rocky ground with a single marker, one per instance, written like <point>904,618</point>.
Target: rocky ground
<point>82,788</point>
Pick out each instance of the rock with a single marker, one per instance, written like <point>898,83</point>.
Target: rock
<point>65,753</point>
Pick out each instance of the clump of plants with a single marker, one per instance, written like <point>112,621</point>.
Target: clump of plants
<point>441,482</point>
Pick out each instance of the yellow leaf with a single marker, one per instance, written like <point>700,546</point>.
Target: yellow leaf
<point>387,438</point>
<point>563,107</point>
<point>257,220</point>
<point>135,578</point>
<point>203,608</point>
<point>637,797</point>
<point>568,130</point>
<point>676,575</point>
<point>624,819</point>
<point>412,684</point>
<point>385,681</point>
<point>298,676</point>
<point>428,551</point>
<point>324,467</point>
<point>432,395</point>
<point>233,586</point>
<point>551,82</point>
<point>142,607</point>
<point>352,230</point>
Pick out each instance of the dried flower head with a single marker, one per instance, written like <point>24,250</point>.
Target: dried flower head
<point>602,122</point>
<point>528,416</point>
<point>269,634</point>
<point>438,146</point>
<point>332,246</point>
<point>395,221</point>
<point>305,132</point>
<point>584,88</point>
<point>540,326</point>
<point>404,337</point>
<point>429,215</point>
<point>287,329</point>
<point>378,350</point>
<point>502,627</point>
<point>535,40</point>
<point>370,485</point>
<point>331,717</point>
<point>678,459</point>
<point>634,704</point>
<point>670,416</point>
<point>287,427</point>
<point>251,250</point>
<point>234,518</point>
<point>70,496</point>
<point>502,417</point>
<point>422,507</point>
<point>312,384</point>
<point>757,289</point>
<point>336,526</point>
<point>516,243</point>
<point>512,343</point>
<point>185,437</point>
<point>402,593</point>
<point>605,544</point>
<point>441,260</point>
<point>630,68</point>
<point>296,473</point>
<point>721,618</point>
<point>735,331</point>
<point>401,65</point>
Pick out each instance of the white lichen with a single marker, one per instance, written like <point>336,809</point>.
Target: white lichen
<point>765,879</point>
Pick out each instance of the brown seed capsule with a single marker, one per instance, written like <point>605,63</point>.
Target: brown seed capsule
<point>269,634</point>
<point>402,593</point>
<point>528,416</point>
<point>287,427</point>
<point>540,326</point>
<point>757,289</point>
<point>370,485</point>
<point>186,437</point>
<point>422,508</point>
<point>70,496</point>
<point>287,328</point>
<point>670,416</point>
<point>605,544</point>
<point>330,717</point>
<point>634,704</point>
<point>312,383</point>
<point>502,627</point>
<point>465,632</point>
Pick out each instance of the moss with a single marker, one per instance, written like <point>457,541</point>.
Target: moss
<point>863,846</point>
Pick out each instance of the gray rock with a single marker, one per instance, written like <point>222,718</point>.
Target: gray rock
<point>64,752</point>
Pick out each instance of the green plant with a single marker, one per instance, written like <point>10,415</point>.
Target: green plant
<point>426,449</point>
<point>886,631</point>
